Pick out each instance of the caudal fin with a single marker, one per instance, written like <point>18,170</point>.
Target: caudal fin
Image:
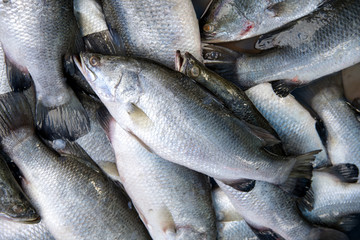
<point>67,121</point>
<point>15,113</point>
<point>299,180</point>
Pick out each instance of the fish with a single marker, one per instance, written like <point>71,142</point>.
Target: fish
<point>11,230</point>
<point>294,124</point>
<point>181,122</point>
<point>272,213</point>
<point>228,93</point>
<point>234,20</point>
<point>317,45</point>
<point>333,198</point>
<point>342,127</point>
<point>14,204</point>
<point>93,27</point>
<point>230,224</point>
<point>174,202</point>
<point>35,36</point>
<point>153,29</point>
<point>74,198</point>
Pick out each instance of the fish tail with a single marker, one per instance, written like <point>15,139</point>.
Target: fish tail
<point>68,121</point>
<point>326,234</point>
<point>15,113</point>
<point>222,61</point>
<point>299,180</point>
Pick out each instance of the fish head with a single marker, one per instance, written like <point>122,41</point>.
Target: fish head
<point>113,78</point>
<point>188,64</point>
<point>223,22</point>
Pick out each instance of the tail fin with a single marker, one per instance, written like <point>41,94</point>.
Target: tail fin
<point>299,180</point>
<point>221,60</point>
<point>67,121</point>
<point>15,113</point>
<point>326,234</point>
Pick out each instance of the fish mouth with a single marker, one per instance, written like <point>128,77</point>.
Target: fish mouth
<point>181,61</point>
<point>81,65</point>
<point>26,220</point>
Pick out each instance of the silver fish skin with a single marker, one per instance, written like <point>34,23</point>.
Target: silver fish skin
<point>233,20</point>
<point>230,224</point>
<point>184,123</point>
<point>326,97</point>
<point>35,36</point>
<point>88,204</point>
<point>21,231</point>
<point>332,200</point>
<point>268,207</point>
<point>317,45</point>
<point>154,29</point>
<point>89,16</point>
<point>4,83</point>
<point>293,123</point>
<point>14,205</point>
<point>174,202</point>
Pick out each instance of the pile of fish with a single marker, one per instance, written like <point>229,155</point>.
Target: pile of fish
<point>138,119</point>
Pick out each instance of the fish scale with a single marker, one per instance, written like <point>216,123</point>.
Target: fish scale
<point>154,29</point>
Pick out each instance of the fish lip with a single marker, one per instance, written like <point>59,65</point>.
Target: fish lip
<point>81,65</point>
<point>179,60</point>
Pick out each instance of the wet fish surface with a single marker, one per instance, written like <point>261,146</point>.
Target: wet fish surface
<point>154,29</point>
<point>294,124</point>
<point>88,204</point>
<point>14,205</point>
<point>173,201</point>
<point>342,127</point>
<point>233,20</point>
<point>11,230</point>
<point>35,34</point>
<point>205,139</point>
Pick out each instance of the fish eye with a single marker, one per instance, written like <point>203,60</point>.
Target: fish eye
<point>195,71</point>
<point>94,61</point>
<point>208,27</point>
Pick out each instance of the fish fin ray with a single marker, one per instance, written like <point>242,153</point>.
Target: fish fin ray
<point>15,113</point>
<point>299,180</point>
<point>101,42</point>
<point>139,117</point>
<point>307,202</point>
<point>348,222</point>
<point>266,137</point>
<point>321,233</point>
<point>282,88</point>
<point>18,80</point>
<point>345,172</point>
<point>265,234</point>
<point>104,118</point>
<point>67,121</point>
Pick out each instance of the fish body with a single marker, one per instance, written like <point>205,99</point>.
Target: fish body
<point>342,127</point>
<point>21,231</point>
<point>293,123</point>
<point>266,207</point>
<point>154,29</point>
<point>184,123</point>
<point>14,205</point>
<point>317,45</point>
<point>35,36</point>
<point>233,20</point>
<point>230,224</point>
<point>332,201</point>
<point>173,201</point>
<point>74,198</point>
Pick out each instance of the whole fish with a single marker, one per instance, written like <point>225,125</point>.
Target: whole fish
<point>154,29</point>
<point>74,198</point>
<point>342,126</point>
<point>173,201</point>
<point>230,224</point>
<point>294,124</point>
<point>183,123</point>
<point>233,20</point>
<point>272,212</point>
<point>35,36</point>
<point>11,230</point>
<point>333,200</point>
<point>317,45</point>
<point>14,205</point>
